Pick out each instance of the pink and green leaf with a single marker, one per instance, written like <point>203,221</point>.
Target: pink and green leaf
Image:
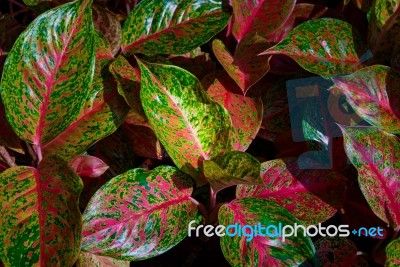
<point>393,253</point>
<point>336,252</point>
<point>245,111</point>
<point>259,16</point>
<point>231,169</point>
<point>172,27</point>
<point>88,166</point>
<point>312,196</point>
<point>316,47</point>
<point>139,214</point>
<point>40,222</point>
<point>189,124</point>
<point>375,154</point>
<point>47,74</point>
<point>374,93</point>
<point>262,250</point>
<point>92,260</point>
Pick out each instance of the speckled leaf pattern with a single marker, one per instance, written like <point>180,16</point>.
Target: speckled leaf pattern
<point>245,111</point>
<point>8,137</point>
<point>393,253</point>
<point>375,154</point>
<point>189,124</point>
<point>139,214</point>
<point>312,196</point>
<point>335,252</point>
<point>48,72</point>
<point>384,9</point>
<point>259,16</point>
<point>92,260</point>
<point>245,67</point>
<point>317,48</point>
<point>88,166</point>
<point>374,94</point>
<point>172,26</point>
<point>232,168</point>
<point>40,222</point>
<point>103,112</point>
<point>262,251</point>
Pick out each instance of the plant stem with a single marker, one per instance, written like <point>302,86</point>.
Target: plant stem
<point>7,157</point>
<point>213,200</point>
<point>202,209</point>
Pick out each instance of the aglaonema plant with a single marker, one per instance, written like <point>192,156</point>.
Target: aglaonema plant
<point>117,126</point>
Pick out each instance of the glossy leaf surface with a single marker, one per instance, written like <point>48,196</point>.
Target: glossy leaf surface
<point>88,166</point>
<point>262,250</point>
<point>259,16</point>
<point>375,154</point>
<point>190,125</point>
<point>92,260</point>
<point>393,254</point>
<point>232,168</point>
<point>139,214</point>
<point>40,222</point>
<point>316,47</point>
<point>374,94</point>
<point>172,27</point>
<point>312,196</point>
<point>48,72</point>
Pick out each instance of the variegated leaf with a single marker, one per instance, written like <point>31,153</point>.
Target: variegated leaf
<point>88,166</point>
<point>245,111</point>
<point>40,221</point>
<point>316,46</point>
<point>92,260</point>
<point>259,16</point>
<point>189,124</point>
<point>393,253</point>
<point>375,154</point>
<point>139,214</point>
<point>246,66</point>
<point>48,73</point>
<point>383,10</point>
<point>232,168</point>
<point>374,94</point>
<point>312,196</point>
<point>267,250</point>
<point>336,252</point>
<point>173,26</point>
<point>8,137</point>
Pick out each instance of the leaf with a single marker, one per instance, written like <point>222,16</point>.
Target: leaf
<point>314,45</point>
<point>172,27</point>
<point>335,252</point>
<point>259,16</point>
<point>383,10</point>
<point>40,222</point>
<point>232,168</point>
<point>373,92</point>
<point>88,166</point>
<point>245,67</point>
<point>139,214</point>
<point>312,196</point>
<point>262,250</point>
<point>188,123</point>
<point>375,154</point>
<point>8,137</point>
<point>92,260</point>
<point>393,253</point>
<point>245,111</point>
<point>48,73</point>
<point>103,112</point>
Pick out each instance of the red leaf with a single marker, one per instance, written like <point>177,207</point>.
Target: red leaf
<point>88,166</point>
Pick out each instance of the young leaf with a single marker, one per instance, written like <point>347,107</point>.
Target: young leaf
<point>259,16</point>
<point>336,251</point>
<point>393,253</point>
<point>188,123</point>
<point>245,111</point>
<point>92,260</point>
<point>375,154</point>
<point>40,221</point>
<point>246,67</point>
<point>312,196</point>
<point>172,27</point>
<point>139,214</point>
<point>232,168</point>
<point>88,166</point>
<point>316,46</point>
<point>262,250</point>
<point>374,93</point>
<point>48,73</point>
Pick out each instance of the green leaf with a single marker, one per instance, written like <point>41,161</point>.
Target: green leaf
<point>393,253</point>
<point>317,47</point>
<point>172,26</point>
<point>40,221</point>
<point>47,74</point>
<point>267,250</point>
<point>232,168</point>
<point>376,156</point>
<point>383,10</point>
<point>139,214</point>
<point>92,260</point>
<point>188,123</point>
